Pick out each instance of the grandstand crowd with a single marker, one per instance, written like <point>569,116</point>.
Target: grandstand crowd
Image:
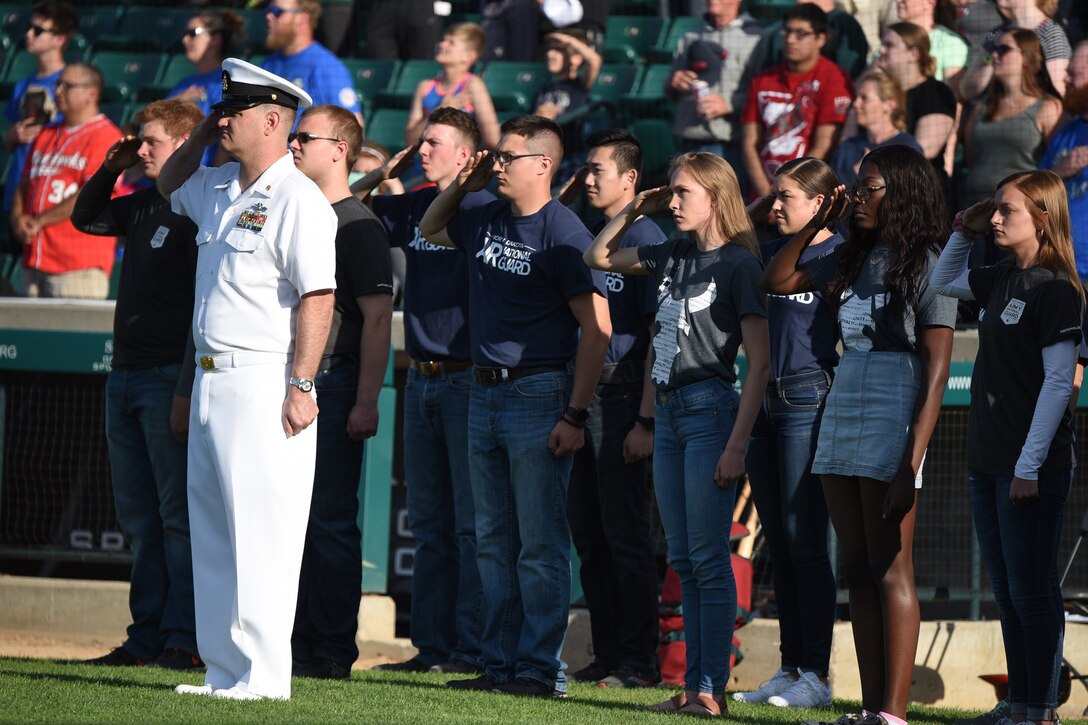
<point>584,209</point>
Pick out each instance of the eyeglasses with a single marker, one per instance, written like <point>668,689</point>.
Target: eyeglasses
<point>1001,50</point>
<point>39,29</point>
<point>860,196</point>
<point>276,11</point>
<point>798,33</point>
<point>194,32</point>
<point>504,159</point>
<point>65,85</point>
<point>305,138</point>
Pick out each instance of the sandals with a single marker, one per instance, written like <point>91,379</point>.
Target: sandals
<point>703,705</point>
<point>673,704</point>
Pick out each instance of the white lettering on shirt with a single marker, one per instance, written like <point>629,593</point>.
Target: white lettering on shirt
<point>506,255</point>
<point>614,282</point>
<point>422,245</point>
<point>1013,312</point>
<point>672,319</point>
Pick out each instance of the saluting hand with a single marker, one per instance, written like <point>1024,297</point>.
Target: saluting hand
<point>573,186</point>
<point>831,211</point>
<point>977,216</point>
<point>477,172</point>
<point>760,209</point>
<point>123,154</point>
<point>400,162</point>
<point>653,201</point>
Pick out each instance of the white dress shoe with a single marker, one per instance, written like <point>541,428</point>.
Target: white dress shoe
<point>236,693</point>
<point>194,689</point>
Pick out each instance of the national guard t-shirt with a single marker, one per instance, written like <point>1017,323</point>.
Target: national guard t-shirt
<point>701,297</point>
<point>1024,310</point>
<point>632,298</point>
<point>523,271</point>
<point>436,278</point>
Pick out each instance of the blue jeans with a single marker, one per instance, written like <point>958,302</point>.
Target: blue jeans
<point>522,541</point>
<point>446,593</point>
<point>609,514</point>
<point>149,491</point>
<point>1019,546</point>
<point>693,426</point>
<point>330,581</point>
<point>793,514</point>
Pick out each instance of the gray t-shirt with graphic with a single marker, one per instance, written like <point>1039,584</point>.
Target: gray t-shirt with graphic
<point>701,297</point>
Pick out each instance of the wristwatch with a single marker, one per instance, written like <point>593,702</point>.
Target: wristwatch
<point>576,416</point>
<point>646,421</point>
<point>303,384</point>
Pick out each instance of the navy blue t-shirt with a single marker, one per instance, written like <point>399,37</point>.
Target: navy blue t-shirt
<point>632,298</point>
<point>522,273</point>
<point>804,328</point>
<point>436,277</point>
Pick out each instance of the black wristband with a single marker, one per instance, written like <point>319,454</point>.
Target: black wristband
<point>646,421</point>
<point>571,421</point>
<point>576,416</point>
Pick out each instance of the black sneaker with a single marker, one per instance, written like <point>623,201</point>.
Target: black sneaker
<point>483,682</point>
<point>594,672</point>
<point>456,667</point>
<point>118,657</point>
<point>322,669</point>
<point>630,677</point>
<point>175,658</point>
<point>412,665</point>
<point>527,687</point>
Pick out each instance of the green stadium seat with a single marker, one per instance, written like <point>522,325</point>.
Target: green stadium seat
<point>634,7</point>
<point>371,77</point>
<point>666,46</point>
<point>615,81</point>
<point>129,75</point>
<point>14,20</point>
<point>386,126</point>
<point>658,149</point>
<point>21,65</point>
<point>147,28</point>
<point>404,87</point>
<point>255,30</point>
<point>177,67</point>
<point>94,22</point>
<point>513,85</point>
<point>648,99</point>
<point>769,10</point>
<point>119,112</point>
<point>78,49</point>
<point>629,38</point>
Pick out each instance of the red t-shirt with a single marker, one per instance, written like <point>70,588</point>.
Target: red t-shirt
<point>790,106</point>
<point>61,160</point>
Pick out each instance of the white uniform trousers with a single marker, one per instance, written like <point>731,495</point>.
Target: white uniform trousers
<point>249,500</point>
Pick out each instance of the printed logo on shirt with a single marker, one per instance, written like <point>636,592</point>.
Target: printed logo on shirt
<point>348,97</point>
<point>673,318</point>
<point>253,218</point>
<point>506,255</point>
<point>50,164</point>
<point>804,298</point>
<point>419,243</point>
<point>842,105</point>
<point>614,282</point>
<point>1013,312</point>
<point>160,237</point>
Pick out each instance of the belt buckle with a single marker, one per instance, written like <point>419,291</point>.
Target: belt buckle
<point>489,377</point>
<point>429,367</point>
<point>207,362</point>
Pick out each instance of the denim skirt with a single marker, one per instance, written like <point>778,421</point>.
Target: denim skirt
<point>868,415</point>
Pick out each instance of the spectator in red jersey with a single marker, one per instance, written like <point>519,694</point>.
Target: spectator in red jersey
<point>59,261</point>
<point>797,107</point>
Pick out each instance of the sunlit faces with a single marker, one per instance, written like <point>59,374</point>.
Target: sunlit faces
<point>454,49</point>
<point>195,40</point>
<point>1008,62</point>
<point>40,36</point>
<point>281,16</point>
<point>156,146</point>
<point>556,60</point>
<point>895,57</point>
<point>525,164</point>
<point>240,129</point>
<point>867,195</point>
<point>605,185</point>
<point>75,91</point>
<point>441,152</point>
<point>315,156</point>
<point>912,11</point>
<point>800,43</point>
<point>870,108</point>
<point>723,8</point>
<point>1012,220</point>
<point>691,205</point>
<point>792,207</point>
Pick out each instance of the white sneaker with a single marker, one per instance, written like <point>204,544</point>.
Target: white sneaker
<point>194,689</point>
<point>807,691</point>
<point>778,684</point>
<point>236,693</point>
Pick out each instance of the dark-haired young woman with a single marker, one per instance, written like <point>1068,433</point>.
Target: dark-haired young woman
<point>1020,442</point>
<point>897,340</point>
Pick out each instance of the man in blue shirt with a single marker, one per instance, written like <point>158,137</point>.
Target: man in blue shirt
<point>609,506</point>
<point>32,104</point>
<point>534,309</point>
<point>296,56</point>
<point>446,593</point>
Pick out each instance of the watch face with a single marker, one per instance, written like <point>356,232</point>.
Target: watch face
<point>303,384</point>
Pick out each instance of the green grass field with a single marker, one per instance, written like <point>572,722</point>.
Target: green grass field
<point>48,691</point>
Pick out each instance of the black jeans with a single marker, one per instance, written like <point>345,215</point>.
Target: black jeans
<point>608,508</point>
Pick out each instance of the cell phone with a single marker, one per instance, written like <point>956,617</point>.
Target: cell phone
<point>34,106</point>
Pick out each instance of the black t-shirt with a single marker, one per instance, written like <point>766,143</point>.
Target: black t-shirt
<point>701,298</point>
<point>929,96</point>
<point>1024,310</point>
<point>362,268</point>
<point>154,311</point>
<point>567,95</point>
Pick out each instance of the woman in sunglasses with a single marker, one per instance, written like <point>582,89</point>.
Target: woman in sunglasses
<point>1020,441</point>
<point>897,341</point>
<point>212,35</point>
<point>1008,130</point>
<point>708,302</point>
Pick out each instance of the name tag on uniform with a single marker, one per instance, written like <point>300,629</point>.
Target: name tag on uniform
<point>160,237</point>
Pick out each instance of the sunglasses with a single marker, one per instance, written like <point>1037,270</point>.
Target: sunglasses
<point>1003,49</point>
<point>39,29</point>
<point>276,11</point>
<point>305,138</point>
<point>194,32</point>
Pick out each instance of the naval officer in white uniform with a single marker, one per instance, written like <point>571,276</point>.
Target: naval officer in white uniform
<point>264,298</point>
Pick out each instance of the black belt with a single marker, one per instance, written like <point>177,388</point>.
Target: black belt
<point>628,371</point>
<point>437,367</point>
<point>335,361</point>
<point>494,376</point>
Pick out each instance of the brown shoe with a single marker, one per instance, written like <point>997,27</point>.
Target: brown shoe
<point>705,705</point>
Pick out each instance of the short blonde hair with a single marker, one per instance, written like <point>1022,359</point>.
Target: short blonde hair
<point>472,35</point>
